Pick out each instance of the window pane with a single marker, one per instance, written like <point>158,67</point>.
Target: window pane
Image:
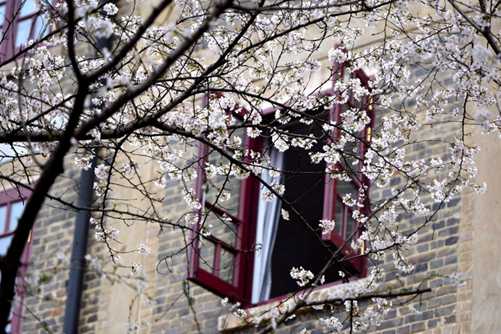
<point>23,32</point>
<point>2,14</point>
<point>28,7</point>
<point>227,266</point>
<point>351,157</point>
<point>207,251</point>
<point>343,189</point>
<point>222,183</point>
<point>223,189</point>
<point>16,210</point>
<point>41,27</point>
<point>3,221</point>
<point>339,227</point>
<point>350,226</point>
<point>4,244</point>
<point>221,228</point>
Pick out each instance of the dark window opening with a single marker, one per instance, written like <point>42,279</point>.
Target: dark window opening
<point>297,241</point>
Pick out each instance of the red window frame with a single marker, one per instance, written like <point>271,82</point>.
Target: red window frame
<point>7,199</point>
<point>9,28</point>
<point>241,288</point>
<point>332,198</point>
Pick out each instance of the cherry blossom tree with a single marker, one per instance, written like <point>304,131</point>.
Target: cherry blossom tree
<point>150,89</point>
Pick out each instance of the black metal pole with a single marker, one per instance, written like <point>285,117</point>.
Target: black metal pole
<point>79,249</point>
<point>80,238</point>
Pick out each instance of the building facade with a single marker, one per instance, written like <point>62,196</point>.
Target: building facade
<point>164,290</point>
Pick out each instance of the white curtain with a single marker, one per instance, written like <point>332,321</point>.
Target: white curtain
<point>267,224</point>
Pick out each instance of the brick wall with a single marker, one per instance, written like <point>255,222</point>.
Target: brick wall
<point>170,304</point>
<point>48,270</point>
<point>48,265</point>
<point>443,249</point>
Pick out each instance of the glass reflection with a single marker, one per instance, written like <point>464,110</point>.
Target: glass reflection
<point>23,32</point>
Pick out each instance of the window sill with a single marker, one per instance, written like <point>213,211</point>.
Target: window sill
<point>275,308</point>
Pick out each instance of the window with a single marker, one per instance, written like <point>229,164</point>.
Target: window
<point>21,21</point>
<point>216,257</point>
<point>11,207</point>
<point>244,248</point>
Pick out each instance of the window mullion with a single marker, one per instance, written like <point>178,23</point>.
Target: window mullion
<point>330,198</point>
<point>217,259</point>
<point>7,217</point>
